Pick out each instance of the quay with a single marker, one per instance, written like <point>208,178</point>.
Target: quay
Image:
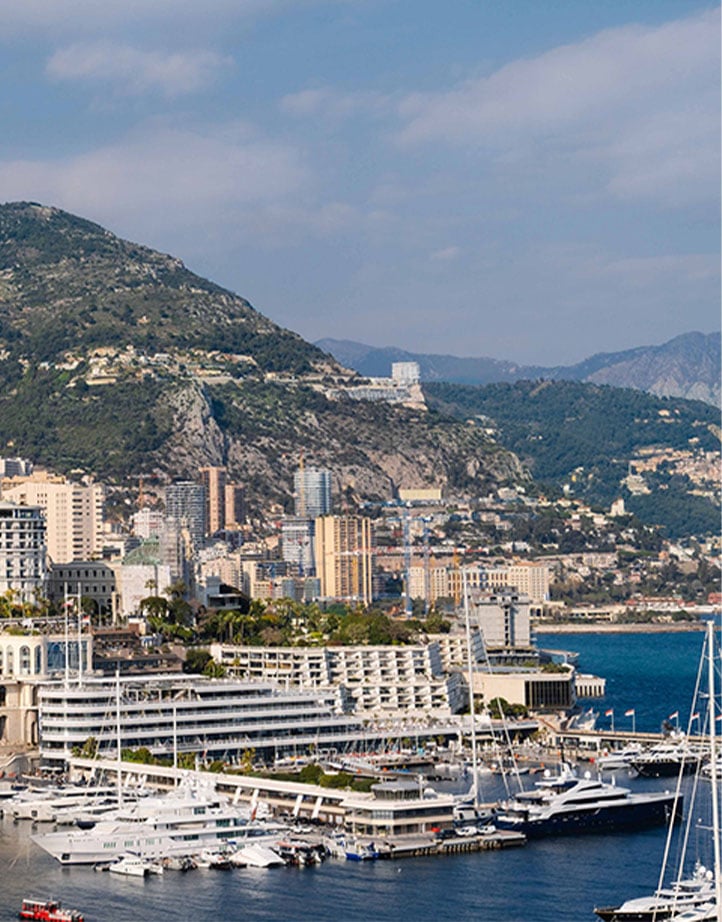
<point>586,745</point>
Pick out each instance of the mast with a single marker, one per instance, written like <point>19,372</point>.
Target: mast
<point>118,734</point>
<point>67,639</point>
<point>471,692</point>
<point>80,640</point>
<point>713,767</point>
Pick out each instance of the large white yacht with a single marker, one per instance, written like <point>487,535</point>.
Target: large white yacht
<point>182,822</point>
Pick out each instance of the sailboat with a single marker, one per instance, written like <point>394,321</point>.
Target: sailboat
<point>695,898</point>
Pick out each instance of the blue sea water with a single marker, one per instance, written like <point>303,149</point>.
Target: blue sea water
<point>553,880</point>
<point>652,674</point>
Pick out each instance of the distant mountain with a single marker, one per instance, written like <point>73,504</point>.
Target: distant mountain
<point>687,366</point>
<point>117,361</point>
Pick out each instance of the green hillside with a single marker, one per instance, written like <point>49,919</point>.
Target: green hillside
<point>118,361</point>
<point>584,435</point>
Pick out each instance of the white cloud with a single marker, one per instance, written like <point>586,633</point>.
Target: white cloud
<point>328,102</point>
<point>135,71</point>
<point>643,102</point>
<point>88,16</point>
<point>164,175</point>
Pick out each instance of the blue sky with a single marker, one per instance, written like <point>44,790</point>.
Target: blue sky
<point>535,180</point>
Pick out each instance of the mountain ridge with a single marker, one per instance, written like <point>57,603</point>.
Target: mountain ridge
<point>686,366</point>
<point>118,361</point>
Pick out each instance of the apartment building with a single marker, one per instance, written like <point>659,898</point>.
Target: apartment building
<point>73,513</point>
<point>22,550</point>
<point>344,562</point>
<point>377,680</point>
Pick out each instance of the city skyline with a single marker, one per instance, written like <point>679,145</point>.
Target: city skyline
<point>526,181</point>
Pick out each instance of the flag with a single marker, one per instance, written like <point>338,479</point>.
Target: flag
<point>609,713</point>
<point>629,713</point>
<point>674,716</point>
<point>695,716</point>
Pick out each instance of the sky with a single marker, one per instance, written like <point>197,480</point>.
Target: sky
<point>530,180</point>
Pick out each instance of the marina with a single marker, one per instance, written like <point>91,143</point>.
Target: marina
<point>475,873</point>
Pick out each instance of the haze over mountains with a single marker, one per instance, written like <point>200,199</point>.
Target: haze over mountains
<point>687,366</point>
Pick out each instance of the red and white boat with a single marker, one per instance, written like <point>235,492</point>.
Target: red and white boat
<point>48,911</point>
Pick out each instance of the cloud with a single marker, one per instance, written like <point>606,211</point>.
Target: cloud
<point>162,175</point>
<point>134,71</point>
<point>328,102</point>
<point>88,16</point>
<point>640,102</point>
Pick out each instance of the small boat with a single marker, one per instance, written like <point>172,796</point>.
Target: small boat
<point>355,851</point>
<point>48,911</point>
<point>216,858</point>
<point>130,866</point>
<point>179,863</point>
<point>255,855</point>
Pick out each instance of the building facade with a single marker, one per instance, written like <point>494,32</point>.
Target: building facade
<point>22,551</point>
<point>344,557</point>
<point>185,507</point>
<point>73,514</point>
<point>312,492</point>
<point>378,680</point>
<point>214,483</point>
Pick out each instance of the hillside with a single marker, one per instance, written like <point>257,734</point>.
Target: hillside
<point>584,436</point>
<point>687,366</point>
<point>118,361</point>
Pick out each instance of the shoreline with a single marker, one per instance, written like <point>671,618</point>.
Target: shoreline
<point>608,628</point>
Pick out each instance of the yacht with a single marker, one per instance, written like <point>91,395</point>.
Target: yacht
<point>668,759</point>
<point>182,822</point>
<point>695,898</point>
<point>568,804</point>
<point>691,894</point>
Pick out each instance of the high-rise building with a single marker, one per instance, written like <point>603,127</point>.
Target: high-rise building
<point>185,505</point>
<point>344,561</point>
<point>312,492</point>
<point>22,550</point>
<point>73,514</point>
<point>297,543</point>
<point>214,481</point>
<point>235,505</point>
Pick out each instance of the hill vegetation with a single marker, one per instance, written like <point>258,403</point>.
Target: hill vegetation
<point>585,435</point>
<point>118,361</point>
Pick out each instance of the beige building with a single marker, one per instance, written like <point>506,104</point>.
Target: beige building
<point>344,561</point>
<point>26,660</point>
<point>214,481</point>
<point>73,513</point>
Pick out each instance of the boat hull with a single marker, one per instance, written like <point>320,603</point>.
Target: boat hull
<point>640,814</point>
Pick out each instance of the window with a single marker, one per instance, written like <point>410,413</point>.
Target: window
<point>24,660</point>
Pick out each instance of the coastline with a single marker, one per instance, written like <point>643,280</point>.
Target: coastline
<point>608,628</point>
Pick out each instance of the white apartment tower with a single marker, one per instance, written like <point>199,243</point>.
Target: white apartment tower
<point>22,550</point>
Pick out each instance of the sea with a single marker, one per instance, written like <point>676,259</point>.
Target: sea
<point>552,880</point>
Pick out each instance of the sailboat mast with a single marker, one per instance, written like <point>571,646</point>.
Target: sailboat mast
<point>471,690</point>
<point>80,639</point>
<point>118,735</point>
<point>714,769</point>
